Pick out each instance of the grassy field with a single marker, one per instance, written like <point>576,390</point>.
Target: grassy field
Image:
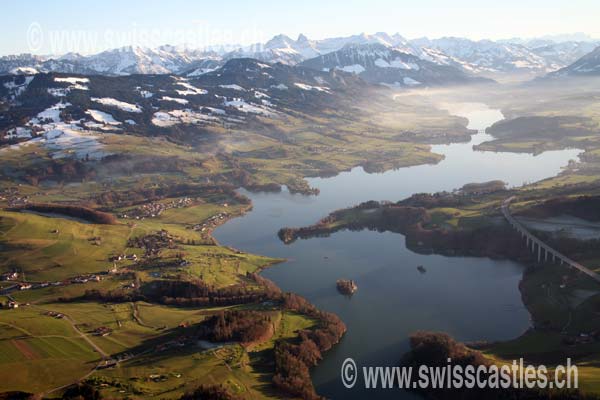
<point>40,351</point>
<point>170,374</point>
<point>48,352</point>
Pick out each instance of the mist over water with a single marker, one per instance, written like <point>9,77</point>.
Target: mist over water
<point>470,298</point>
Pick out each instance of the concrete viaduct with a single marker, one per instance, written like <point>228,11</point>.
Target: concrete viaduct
<point>544,252</point>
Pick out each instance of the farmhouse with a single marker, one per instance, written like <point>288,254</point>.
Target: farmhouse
<point>9,276</point>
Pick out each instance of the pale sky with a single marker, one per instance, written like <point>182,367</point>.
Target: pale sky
<point>60,26</point>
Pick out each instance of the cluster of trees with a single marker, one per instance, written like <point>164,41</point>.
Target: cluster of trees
<point>272,290</point>
<point>60,170</point>
<point>584,207</point>
<point>435,200</point>
<point>88,214</point>
<point>82,391</point>
<point>210,392</point>
<point>543,127</point>
<point>265,187</point>
<point>488,241</point>
<point>483,187</point>
<point>390,217</point>
<point>106,296</point>
<point>16,395</point>
<point>434,350</point>
<point>154,242</point>
<point>237,325</point>
<point>294,360</point>
<point>239,294</point>
<point>34,100</point>
<point>197,293</point>
<point>576,248</point>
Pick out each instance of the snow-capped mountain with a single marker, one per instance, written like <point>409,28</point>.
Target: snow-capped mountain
<point>395,41</point>
<point>588,65</point>
<point>242,91</point>
<point>559,55</point>
<point>378,63</point>
<point>122,61</point>
<point>20,63</point>
<point>535,56</point>
<point>280,48</point>
<point>546,40</point>
<point>486,55</point>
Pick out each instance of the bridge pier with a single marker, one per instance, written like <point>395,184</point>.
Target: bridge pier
<point>531,240</point>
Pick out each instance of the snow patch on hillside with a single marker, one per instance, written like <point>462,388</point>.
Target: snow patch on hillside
<point>58,92</point>
<point>109,101</point>
<point>102,117</point>
<point>233,86</point>
<point>169,118</point>
<point>190,89</point>
<point>410,81</point>
<point>16,89</point>
<point>244,106</point>
<point>62,139</point>
<point>175,99</point>
<point>355,68</point>
<point>23,71</point>
<point>304,86</point>
<point>396,63</point>
<point>49,115</point>
<point>201,71</point>
<point>18,133</point>
<point>72,80</point>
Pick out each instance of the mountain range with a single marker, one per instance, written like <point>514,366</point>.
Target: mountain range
<point>484,57</point>
<point>585,66</point>
<point>243,91</point>
<point>378,63</point>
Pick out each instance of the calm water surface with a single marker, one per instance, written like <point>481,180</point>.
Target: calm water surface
<point>470,298</point>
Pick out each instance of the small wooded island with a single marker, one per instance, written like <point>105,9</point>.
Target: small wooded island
<point>345,286</point>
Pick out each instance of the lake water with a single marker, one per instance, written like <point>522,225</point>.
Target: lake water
<point>470,298</point>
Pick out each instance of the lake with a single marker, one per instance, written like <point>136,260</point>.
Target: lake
<point>469,298</point>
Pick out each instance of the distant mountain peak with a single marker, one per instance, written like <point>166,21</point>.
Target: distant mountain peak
<point>588,65</point>
<point>480,57</point>
<point>378,63</point>
<point>302,38</point>
<point>279,41</point>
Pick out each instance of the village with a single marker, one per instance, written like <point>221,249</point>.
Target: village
<point>13,198</point>
<point>152,243</point>
<point>155,209</point>
<point>211,223</point>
